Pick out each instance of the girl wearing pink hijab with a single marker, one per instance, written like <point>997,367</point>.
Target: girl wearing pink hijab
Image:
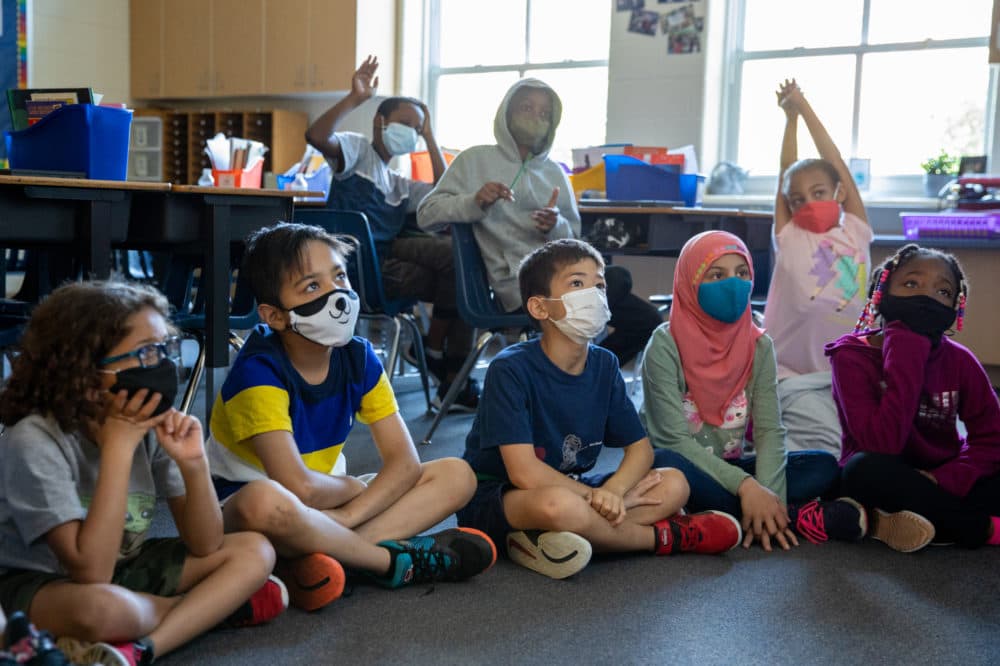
<point>709,373</point>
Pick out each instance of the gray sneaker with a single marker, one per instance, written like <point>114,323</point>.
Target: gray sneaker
<point>904,531</point>
<point>553,554</point>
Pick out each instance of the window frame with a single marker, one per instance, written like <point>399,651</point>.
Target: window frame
<point>736,56</point>
<point>435,71</point>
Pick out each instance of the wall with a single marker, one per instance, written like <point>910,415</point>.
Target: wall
<point>79,44</point>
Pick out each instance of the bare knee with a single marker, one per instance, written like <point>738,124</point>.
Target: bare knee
<point>252,550</point>
<point>673,487</point>
<point>458,477</point>
<point>562,509</point>
<point>96,612</point>
<point>264,506</point>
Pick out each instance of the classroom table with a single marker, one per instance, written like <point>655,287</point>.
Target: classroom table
<point>90,215</point>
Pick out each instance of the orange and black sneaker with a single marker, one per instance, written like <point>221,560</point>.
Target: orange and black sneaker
<point>313,581</point>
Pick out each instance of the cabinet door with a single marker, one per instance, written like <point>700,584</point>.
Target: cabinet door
<point>332,44</point>
<point>187,49</point>
<point>145,44</point>
<point>286,28</point>
<point>237,58</point>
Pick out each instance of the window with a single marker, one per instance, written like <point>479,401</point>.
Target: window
<point>479,48</point>
<point>894,81</point>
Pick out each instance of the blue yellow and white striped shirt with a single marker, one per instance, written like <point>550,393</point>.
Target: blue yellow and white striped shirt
<point>264,393</point>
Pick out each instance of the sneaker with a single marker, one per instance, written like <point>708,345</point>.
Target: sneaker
<point>436,367</point>
<point>467,400</point>
<point>450,555</point>
<point>842,519</point>
<point>707,532</point>
<point>553,554</point>
<point>313,581</point>
<point>26,645</point>
<point>133,653</point>
<point>904,531</point>
<point>267,603</point>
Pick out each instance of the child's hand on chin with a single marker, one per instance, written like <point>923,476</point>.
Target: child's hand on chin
<point>180,436</point>
<point>127,420</point>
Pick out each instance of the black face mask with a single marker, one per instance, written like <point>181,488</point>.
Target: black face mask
<point>161,379</point>
<point>922,314</point>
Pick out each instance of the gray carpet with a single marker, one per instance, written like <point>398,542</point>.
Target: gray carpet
<point>829,604</point>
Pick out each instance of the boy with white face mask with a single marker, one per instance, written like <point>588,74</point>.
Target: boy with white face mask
<point>281,420</point>
<point>415,265</point>
<point>549,406</point>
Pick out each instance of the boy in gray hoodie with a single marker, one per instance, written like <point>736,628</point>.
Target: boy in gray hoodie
<point>518,199</point>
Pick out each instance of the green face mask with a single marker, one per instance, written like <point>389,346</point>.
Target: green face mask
<point>528,130</point>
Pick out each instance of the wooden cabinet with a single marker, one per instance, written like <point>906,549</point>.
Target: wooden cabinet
<point>237,32</point>
<point>187,52</point>
<point>145,47</point>
<point>228,48</point>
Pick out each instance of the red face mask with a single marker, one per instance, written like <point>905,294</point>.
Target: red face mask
<point>818,216</point>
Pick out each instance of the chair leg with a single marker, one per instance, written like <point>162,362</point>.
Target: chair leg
<point>390,361</point>
<point>418,346</point>
<point>459,382</point>
<point>194,379</point>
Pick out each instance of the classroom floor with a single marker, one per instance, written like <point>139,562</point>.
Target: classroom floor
<point>832,604</point>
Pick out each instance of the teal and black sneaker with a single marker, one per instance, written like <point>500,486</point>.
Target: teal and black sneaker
<point>449,555</point>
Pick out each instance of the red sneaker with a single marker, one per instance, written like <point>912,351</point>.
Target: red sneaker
<point>108,654</point>
<point>313,581</point>
<point>266,604</point>
<point>707,532</point>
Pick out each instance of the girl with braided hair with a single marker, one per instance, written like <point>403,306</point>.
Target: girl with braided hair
<point>900,391</point>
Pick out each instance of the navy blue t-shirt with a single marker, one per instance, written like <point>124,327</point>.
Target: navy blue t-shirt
<point>528,400</point>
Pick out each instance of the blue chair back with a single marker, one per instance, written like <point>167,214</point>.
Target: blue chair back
<point>477,304</point>
<point>363,267</point>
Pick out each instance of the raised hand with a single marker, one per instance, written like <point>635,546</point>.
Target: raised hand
<point>364,82</point>
<point>546,218</point>
<point>789,94</point>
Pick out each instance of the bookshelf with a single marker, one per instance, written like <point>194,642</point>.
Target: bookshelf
<point>179,150</point>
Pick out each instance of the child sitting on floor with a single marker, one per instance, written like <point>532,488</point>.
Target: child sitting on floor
<point>95,378</point>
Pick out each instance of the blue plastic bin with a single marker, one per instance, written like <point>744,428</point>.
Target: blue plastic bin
<point>83,138</point>
<point>631,179</point>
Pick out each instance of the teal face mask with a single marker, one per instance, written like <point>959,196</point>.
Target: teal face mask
<point>725,300</point>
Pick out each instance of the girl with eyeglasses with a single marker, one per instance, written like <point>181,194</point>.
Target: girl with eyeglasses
<point>92,440</point>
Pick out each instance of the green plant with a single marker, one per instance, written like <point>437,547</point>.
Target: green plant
<point>943,164</point>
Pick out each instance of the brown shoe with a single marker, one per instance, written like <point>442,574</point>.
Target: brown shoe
<point>904,531</point>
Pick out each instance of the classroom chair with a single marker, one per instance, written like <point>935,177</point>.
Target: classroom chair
<point>365,273</point>
<point>479,307</point>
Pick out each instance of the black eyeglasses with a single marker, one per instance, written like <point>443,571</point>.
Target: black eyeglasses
<point>151,355</point>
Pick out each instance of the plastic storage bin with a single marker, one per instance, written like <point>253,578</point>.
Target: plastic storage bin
<point>630,179</point>
<point>952,224</point>
<point>588,179</point>
<point>246,178</point>
<point>83,138</point>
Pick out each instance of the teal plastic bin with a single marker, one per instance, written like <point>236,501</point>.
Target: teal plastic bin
<point>81,138</point>
<point>631,179</point>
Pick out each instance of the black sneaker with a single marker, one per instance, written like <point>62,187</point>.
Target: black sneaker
<point>437,367</point>
<point>842,519</point>
<point>467,400</point>
<point>26,645</point>
<point>450,555</point>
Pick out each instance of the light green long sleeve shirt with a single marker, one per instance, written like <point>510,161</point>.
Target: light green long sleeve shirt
<point>662,413</point>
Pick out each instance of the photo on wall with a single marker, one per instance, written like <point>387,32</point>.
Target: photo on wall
<point>628,5</point>
<point>643,22</point>
<point>683,28</point>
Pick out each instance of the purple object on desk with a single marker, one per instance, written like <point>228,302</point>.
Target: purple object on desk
<point>951,224</point>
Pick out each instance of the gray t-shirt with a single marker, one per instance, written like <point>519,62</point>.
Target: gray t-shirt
<point>48,478</point>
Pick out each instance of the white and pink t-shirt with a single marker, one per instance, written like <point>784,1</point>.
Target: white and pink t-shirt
<point>818,290</point>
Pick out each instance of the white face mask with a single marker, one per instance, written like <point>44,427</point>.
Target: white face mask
<point>399,139</point>
<point>328,320</point>
<point>587,314</point>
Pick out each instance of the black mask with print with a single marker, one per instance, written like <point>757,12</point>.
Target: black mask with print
<point>922,314</point>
